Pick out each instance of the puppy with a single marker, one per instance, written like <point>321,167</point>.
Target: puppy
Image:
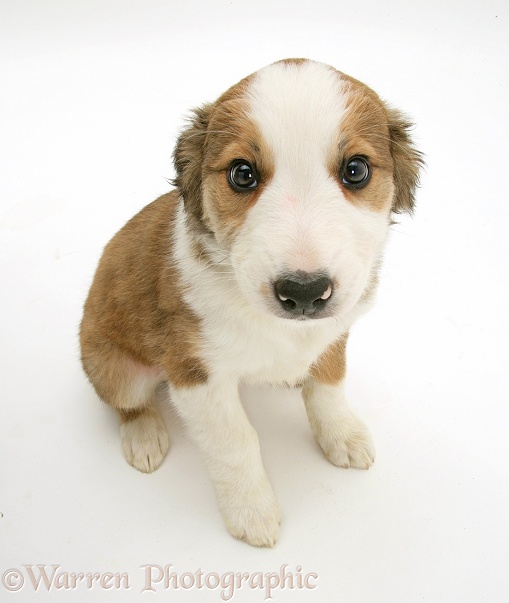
<point>252,270</point>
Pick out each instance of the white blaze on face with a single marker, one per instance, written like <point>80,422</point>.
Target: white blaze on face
<point>302,219</point>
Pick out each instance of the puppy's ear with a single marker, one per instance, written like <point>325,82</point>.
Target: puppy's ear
<point>188,161</point>
<point>408,162</point>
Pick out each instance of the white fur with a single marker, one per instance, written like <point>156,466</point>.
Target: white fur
<point>229,445</point>
<point>344,439</point>
<point>301,221</point>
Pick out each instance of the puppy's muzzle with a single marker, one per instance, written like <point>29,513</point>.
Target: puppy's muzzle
<point>303,293</point>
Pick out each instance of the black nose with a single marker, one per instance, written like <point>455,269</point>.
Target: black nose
<point>302,292</point>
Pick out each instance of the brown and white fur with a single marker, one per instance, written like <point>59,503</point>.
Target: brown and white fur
<point>187,291</point>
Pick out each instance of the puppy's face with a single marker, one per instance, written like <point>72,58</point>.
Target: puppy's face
<point>292,175</point>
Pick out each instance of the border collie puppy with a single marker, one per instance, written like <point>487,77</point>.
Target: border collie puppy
<point>252,270</point>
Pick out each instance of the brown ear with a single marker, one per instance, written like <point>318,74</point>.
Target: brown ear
<point>408,162</point>
<point>188,161</point>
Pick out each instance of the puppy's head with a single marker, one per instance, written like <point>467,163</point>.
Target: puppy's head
<point>293,173</point>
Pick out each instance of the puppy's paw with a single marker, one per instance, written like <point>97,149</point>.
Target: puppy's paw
<point>253,515</point>
<point>144,441</point>
<point>348,443</point>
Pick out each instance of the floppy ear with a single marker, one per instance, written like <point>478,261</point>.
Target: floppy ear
<point>188,161</point>
<point>408,162</point>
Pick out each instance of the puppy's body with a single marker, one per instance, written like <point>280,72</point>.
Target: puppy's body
<point>253,269</point>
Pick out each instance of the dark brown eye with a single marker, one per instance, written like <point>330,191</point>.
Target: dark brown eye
<point>356,173</point>
<point>242,176</point>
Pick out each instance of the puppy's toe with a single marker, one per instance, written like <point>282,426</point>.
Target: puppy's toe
<point>348,444</point>
<point>144,441</point>
<point>255,526</point>
<point>253,517</point>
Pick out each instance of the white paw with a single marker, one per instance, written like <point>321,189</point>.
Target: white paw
<point>144,442</point>
<point>347,443</point>
<point>252,515</point>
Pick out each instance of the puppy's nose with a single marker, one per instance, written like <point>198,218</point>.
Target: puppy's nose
<point>302,292</point>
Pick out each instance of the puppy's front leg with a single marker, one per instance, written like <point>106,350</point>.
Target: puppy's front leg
<point>344,439</point>
<point>229,445</point>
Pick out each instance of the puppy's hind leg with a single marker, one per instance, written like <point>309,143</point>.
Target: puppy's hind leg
<point>144,438</point>
<point>130,387</point>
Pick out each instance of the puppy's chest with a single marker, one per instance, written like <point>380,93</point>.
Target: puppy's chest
<point>255,351</point>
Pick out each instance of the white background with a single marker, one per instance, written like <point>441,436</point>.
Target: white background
<point>92,97</point>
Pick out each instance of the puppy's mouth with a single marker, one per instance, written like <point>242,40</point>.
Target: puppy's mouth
<point>303,317</point>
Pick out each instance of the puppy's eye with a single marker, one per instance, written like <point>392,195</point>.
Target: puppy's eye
<point>356,173</point>
<point>242,176</point>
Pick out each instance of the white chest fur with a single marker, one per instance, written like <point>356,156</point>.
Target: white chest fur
<point>257,349</point>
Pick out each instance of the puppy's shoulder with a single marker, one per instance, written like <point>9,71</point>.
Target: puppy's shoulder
<point>154,220</point>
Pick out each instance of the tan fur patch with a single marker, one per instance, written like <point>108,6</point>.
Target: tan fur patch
<point>135,320</point>
<point>188,162</point>
<point>290,61</point>
<point>330,368</point>
<point>220,133</point>
<point>372,129</point>
<point>364,131</point>
<point>130,415</point>
<point>233,135</point>
<point>407,162</point>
